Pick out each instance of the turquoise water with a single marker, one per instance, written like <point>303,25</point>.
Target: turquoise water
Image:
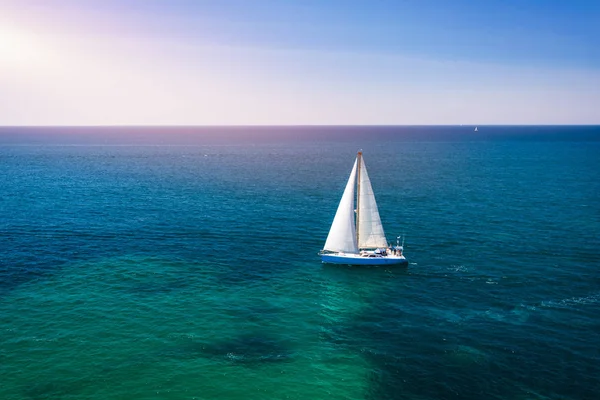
<point>182,264</point>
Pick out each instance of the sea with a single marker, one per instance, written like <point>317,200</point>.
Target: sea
<point>182,263</point>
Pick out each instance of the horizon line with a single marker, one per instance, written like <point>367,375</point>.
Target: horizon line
<point>294,125</point>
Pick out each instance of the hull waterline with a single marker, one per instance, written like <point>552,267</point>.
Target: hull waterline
<point>354,259</point>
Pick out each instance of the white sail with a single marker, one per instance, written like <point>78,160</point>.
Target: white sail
<point>370,229</point>
<point>342,235</point>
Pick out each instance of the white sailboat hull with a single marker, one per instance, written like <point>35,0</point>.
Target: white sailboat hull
<point>356,259</point>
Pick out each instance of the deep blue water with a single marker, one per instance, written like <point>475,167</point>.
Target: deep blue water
<point>182,263</point>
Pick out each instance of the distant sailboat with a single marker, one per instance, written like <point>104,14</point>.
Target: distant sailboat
<point>356,236</point>
<point>476,130</point>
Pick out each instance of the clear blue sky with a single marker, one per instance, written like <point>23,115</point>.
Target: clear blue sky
<point>182,62</point>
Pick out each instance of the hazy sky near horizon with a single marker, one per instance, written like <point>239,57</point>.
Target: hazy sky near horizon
<point>237,62</point>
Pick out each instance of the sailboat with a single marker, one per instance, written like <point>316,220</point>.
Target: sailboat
<point>356,236</point>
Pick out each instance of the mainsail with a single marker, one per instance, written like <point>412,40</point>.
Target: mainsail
<point>342,235</point>
<point>370,229</point>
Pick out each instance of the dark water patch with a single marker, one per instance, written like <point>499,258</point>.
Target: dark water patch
<point>412,363</point>
<point>489,354</point>
<point>251,270</point>
<point>54,389</point>
<point>14,275</point>
<point>146,275</point>
<point>155,278</point>
<point>242,276</point>
<point>251,349</point>
<point>108,371</point>
<point>265,314</point>
<point>152,288</point>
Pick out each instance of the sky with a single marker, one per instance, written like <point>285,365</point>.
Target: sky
<point>304,62</point>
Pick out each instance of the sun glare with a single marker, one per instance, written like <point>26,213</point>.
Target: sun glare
<point>18,48</point>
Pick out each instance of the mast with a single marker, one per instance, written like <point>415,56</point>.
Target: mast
<point>358,161</point>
